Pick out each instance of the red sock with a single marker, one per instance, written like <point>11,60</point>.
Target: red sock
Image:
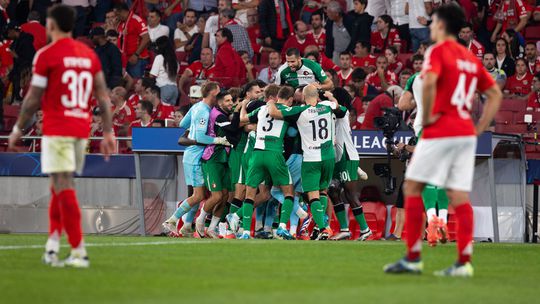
<point>465,222</point>
<point>71,216</point>
<point>414,208</point>
<point>55,219</point>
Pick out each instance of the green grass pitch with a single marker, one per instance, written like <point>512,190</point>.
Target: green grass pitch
<point>129,270</point>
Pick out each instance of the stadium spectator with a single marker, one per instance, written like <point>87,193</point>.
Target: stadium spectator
<point>185,30</point>
<point>382,78</point>
<point>419,12</point>
<point>165,70</point>
<point>401,21</point>
<point>34,28</point>
<point>404,77</point>
<point>338,29</point>
<point>240,40</point>
<point>22,50</point>
<point>360,21</point>
<point>172,14</point>
<point>417,62</point>
<point>385,36</point>
<point>394,64</point>
<point>122,114</point>
<point>109,55</point>
<point>268,74</point>
<point>194,45</point>
<point>387,99</point>
<point>275,19</point>
<point>345,70</point>
<point>519,84</point>
<point>155,28</point>
<point>242,8</point>
<point>498,75</point>
<point>212,26</point>
<point>357,105</point>
<point>533,60</point>
<point>376,8</point>
<point>203,6</point>
<point>229,68</point>
<point>160,110</point>
<point>534,98</point>
<point>112,36</point>
<point>143,113</point>
<point>4,17</point>
<point>317,31</point>
<point>472,44</point>
<point>36,130</point>
<point>254,30</point>
<point>81,7</point>
<point>251,71</point>
<point>199,71</point>
<point>111,21</point>
<point>536,13</point>
<point>195,94</point>
<point>133,40</point>
<point>178,116</point>
<point>515,42</point>
<point>96,130</point>
<point>512,14</point>
<point>363,58</point>
<point>139,89</point>
<point>366,90</point>
<point>300,40</point>
<point>319,57</point>
<point>503,57</point>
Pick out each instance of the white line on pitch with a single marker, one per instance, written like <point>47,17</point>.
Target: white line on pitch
<point>113,244</point>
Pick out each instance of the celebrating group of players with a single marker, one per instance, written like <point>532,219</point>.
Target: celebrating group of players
<point>278,148</point>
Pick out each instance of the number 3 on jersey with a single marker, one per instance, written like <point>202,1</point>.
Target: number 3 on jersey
<point>79,86</point>
<point>461,98</point>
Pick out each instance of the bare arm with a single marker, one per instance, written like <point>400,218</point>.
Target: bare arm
<point>145,40</point>
<point>244,120</point>
<point>491,106</point>
<point>428,98</point>
<point>273,110</point>
<point>406,102</point>
<point>327,85</point>
<point>31,103</point>
<point>496,31</point>
<point>206,40</point>
<point>184,79</point>
<point>522,23</point>
<point>101,93</point>
<point>240,6</point>
<point>185,141</point>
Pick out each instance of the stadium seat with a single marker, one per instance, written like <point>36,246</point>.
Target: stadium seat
<point>532,32</point>
<point>513,105</point>
<point>405,57</point>
<point>511,129</point>
<point>370,193</point>
<point>375,213</point>
<point>504,117</point>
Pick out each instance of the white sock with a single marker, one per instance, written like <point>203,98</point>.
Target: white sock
<point>222,229</point>
<point>53,242</point>
<point>282,225</point>
<point>301,213</point>
<point>443,215</point>
<point>292,229</point>
<point>430,213</point>
<point>214,223</point>
<point>201,217</point>
<point>258,225</point>
<point>79,251</point>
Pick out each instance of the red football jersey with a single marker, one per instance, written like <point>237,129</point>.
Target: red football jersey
<point>138,123</point>
<point>129,36</point>
<point>364,62</point>
<point>344,77</point>
<point>395,67</point>
<point>377,40</point>
<point>320,40</point>
<point>374,80</point>
<point>534,67</point>
<point>534,100</point>
<point>327,63</point>
<point>477,49</point>
<point>66,70</point>
<point>200,73</point>
<point>163,111</point>
<point>512,12</point>
<point>133,101</point>
<point>460,74</point>
<point>519,85</point>
<point>123,117</point>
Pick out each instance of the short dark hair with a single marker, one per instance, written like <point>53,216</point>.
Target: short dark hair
<point>416,57</point>
<point>364,2</point>
<point>248,86</point>
<point>531,43</point>
<point>261,83</point>
<point>488,53</point>
<point>521,59</point>
<point>122,6</point>
<point>208,87</point>
<point>365,44</point>
<point>393,49</point>
<point>64,16</point>
<point>272,90</point>
<point>467,25</point>
<point>154,89</point>
<point>221,95</point>
<point>293,52</point>
<point>111,33</point>
<point>148,82</point>
<point>190,10</point>
<point>228,13</point>
<point>157,12</point>
<point>314,54</point>
<point>387,19</point>
<point>344,53</point>
<point>161,122</point>
<point>316,13</point>
<point>452,16</point>
<point>225,32</point>
<point>147,106</point>
<point>358,74</point>
<point>285,92</point>
<point>405,72</point>
<point>34,16</point>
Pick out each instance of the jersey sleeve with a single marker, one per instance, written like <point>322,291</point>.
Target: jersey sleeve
<point>186,121</point>
<point>318,71</point>
<point>40,73</point>
<point>433,61</point>
<point>485,80</point>
<point>409,85</point>
<point>201,126</point>
<point>291,114</point>
<point>253,116</point>
<point>340,112</point>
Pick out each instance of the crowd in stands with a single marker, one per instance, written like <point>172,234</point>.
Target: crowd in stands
<point>157,53</point>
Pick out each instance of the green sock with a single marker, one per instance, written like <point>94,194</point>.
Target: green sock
<point>236,204</point>
<point>247,210</point>
<point>317,212</point>
<point>429,196</point>
<point>442,199</point>
<point>339,209</point>
<point>286,210</point>
<point>324,204</point>
<point>358,213</point>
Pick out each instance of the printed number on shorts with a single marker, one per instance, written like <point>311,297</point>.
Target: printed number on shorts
<point>322,131</point>
<point>79,86</point>
<point>462,98</point>
<point>345,176</point>
<point>269,123</point>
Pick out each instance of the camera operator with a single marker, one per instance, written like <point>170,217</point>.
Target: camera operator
<point>387,99</point>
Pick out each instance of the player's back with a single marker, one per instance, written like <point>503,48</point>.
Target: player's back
<point>65,69</point>
<point>315,127</point>
<point>460,73</point>
<point>200,114</point>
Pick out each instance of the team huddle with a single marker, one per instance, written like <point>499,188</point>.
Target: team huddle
<point>278,148</point>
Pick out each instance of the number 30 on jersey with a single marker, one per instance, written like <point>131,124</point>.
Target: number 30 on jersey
<point>79,85</point>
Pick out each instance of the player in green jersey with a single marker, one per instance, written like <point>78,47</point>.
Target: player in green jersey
<point>298,71</point>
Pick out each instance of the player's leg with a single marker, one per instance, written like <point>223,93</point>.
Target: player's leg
<point>214,175</point>
<point>442,205</point>
<point>400,215</point>
<point>327,170</point>
<point>335,191</point>
<point>311,176</point>
<point>281,177</point>
<point>352,195</point>
<point>52,247</point>
<point>429,196</point>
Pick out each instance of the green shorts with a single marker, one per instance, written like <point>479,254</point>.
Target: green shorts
<point>266,165</point>
<point>245,165</point>
<point>235,165</point>
<point>346,170</point>
<point>217,176</point>
<point>317,175</point>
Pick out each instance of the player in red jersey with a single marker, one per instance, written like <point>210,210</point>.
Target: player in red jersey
<point>445,154</point>
<point>65,74</point>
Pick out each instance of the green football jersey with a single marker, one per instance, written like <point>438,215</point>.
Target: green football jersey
<point>310,72</point>
<point>270,131</point>
<point>315,125</point>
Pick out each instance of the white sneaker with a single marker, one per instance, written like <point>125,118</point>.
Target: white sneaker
<point>365,235</point>
<point>362,174</point>
<point>186,231</point>
<point>222,228</point>
<point>51,258</point>
<point>342,235</point>
<point>199,227</point>
<point>211,233</point>
<point>457,270</point>
<point>233,220</point>
<point>169,226</point>
<point>77,262</point>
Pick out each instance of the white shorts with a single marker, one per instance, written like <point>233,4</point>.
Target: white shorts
<point>62,154</point>
<point>444,162</point>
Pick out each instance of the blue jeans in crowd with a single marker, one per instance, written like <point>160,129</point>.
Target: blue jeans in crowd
<point>169,94</point>
<point>418,35</point>
<point>137,70</point>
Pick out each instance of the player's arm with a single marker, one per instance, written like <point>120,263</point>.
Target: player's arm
<point>186,75</point>
<point>101,93</point>
<point>184,140</point>
<point>491,106</point>
<point>327,85</point>
<point>201,127</point>
<point>31,103</point>
<point>273,110</point>
<point>244,119</point>
<point>406,101</point>
<point>428,96</point>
